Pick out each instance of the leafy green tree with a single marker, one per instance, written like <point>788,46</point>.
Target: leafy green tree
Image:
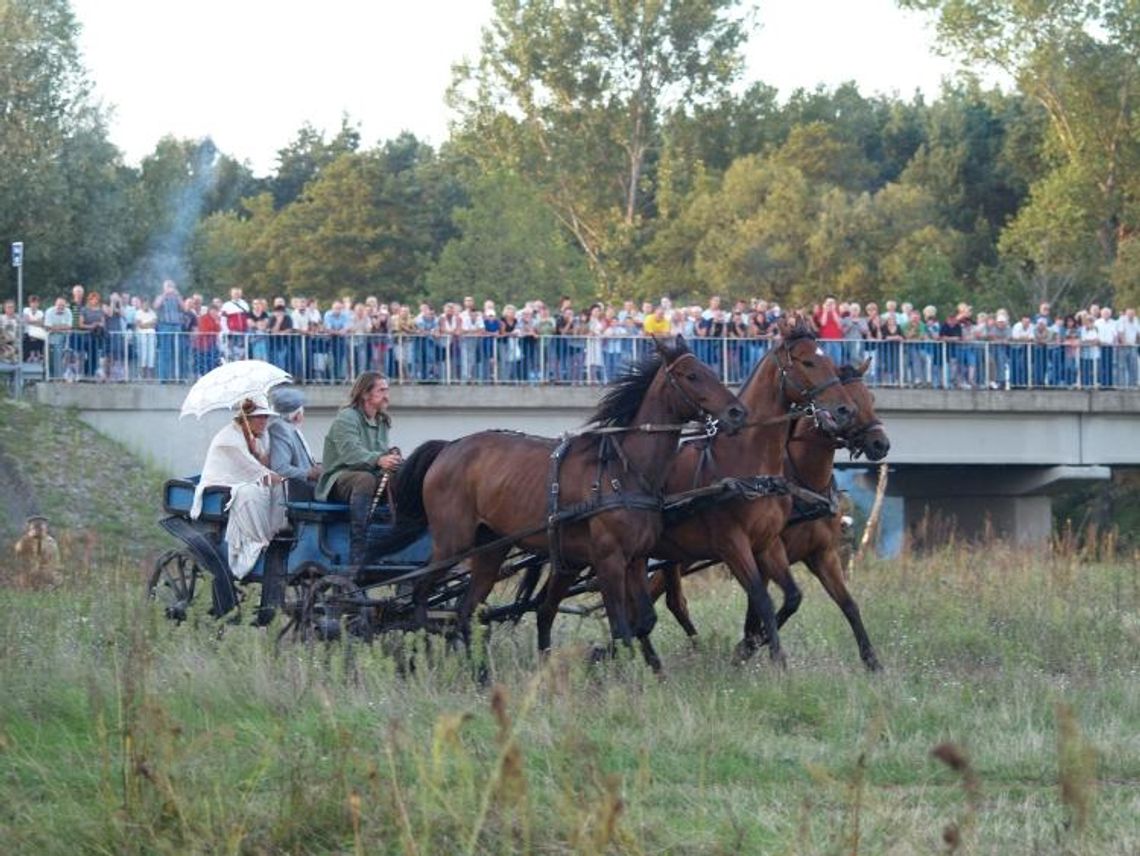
<point>1126,274</point>
<point>94,207</point>
<point>510,249</point>
<point>369,222</point>
<point>306,155</point>
<point>52,186</point>
<point>228,247</point>
<point>885,133</point>
<point>706,138</point>
<point>179,183</point>
<point>1081,61</point>
<point>571,96</point>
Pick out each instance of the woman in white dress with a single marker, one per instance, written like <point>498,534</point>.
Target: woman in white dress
<point>595,365</point>
<point>146,336</point>
<point>238,458</point>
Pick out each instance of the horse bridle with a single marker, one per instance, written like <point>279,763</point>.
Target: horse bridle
<point>712,424</point>
<point>855,441</point>
<point>808,393</point>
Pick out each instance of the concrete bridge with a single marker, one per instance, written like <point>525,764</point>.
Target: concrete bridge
<point>982,458</point>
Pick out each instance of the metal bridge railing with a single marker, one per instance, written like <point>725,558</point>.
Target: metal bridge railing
<point>575,360</point>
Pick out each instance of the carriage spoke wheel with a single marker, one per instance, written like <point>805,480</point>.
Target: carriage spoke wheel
<point>174,584</point>
<point>332,607</point>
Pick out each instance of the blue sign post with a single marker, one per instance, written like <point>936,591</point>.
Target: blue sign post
<point>18,264</point>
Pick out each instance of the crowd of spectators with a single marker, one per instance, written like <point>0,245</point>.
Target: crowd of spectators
<point>175,337</point>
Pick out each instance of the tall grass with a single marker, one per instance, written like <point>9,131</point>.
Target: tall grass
<point>1007,721</point>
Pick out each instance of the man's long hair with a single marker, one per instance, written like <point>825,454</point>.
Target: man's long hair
<point>362,386</point>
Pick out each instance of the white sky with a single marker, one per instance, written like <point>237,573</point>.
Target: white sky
<point>249,73</point>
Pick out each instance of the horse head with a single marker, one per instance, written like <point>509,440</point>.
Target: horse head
<point>866,435</point>
<point>699,390</point>
<point>809,379</point>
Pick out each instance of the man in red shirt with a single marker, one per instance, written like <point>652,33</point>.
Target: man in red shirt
<point>206,339</point>
<point>236,311</point>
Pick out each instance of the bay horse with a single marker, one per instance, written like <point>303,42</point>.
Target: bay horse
<point>795,374</point>
<point>815,541</point>
<point>493,485</point>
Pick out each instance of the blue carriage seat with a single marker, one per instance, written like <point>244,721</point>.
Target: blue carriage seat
<point>315,511</point>
<point>178,498</point>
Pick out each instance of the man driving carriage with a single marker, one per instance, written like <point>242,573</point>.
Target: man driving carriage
<point>357,454</point>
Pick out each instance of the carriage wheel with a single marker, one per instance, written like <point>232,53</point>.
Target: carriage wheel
<point>330,607</point>
<point>174,584</point>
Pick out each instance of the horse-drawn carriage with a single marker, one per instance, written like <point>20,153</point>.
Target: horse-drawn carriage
<point>305,572</point>
<point>614,495</point>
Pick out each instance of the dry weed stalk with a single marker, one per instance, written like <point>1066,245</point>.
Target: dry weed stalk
<point>507,780</point>
<point>872,521</point>
<point>1076,759</point>
<point>957,832</point>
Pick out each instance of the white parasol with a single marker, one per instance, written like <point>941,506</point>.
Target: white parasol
<point>226,386</point>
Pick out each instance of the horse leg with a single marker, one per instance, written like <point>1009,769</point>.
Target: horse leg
<point>640,606</point>
<point>484,574</point>
<point>610,569</point>
<point>829,570</point>
<point>556,587</point>
<point>774,565</point>
<point>737,554</point>
<point>667,581</point>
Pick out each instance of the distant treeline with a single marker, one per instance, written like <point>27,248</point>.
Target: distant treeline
<point>618,153</point>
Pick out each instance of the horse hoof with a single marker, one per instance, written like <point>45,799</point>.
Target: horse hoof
<point>780,659</point>
<point>873,664</point>
<point>598,654</point>
<point>743,651</point>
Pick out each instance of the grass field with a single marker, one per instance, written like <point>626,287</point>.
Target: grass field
<point>122,734</point>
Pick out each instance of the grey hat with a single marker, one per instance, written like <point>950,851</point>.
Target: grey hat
<point>287,400</point>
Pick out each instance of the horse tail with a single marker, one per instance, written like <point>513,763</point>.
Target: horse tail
<point>408,486</point>
<point>407,494</point>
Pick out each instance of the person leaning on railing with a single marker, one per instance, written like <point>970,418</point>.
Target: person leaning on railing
<point>1128,337</point>
<point>35,335</point>
<point>58,321</point>
<point>9,332</point>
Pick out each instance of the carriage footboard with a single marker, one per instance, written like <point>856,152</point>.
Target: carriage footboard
<point>207,553</point>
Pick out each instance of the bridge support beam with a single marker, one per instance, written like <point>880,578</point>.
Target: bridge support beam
<point>982,502</point>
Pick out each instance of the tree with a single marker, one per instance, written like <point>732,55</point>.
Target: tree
<point>369,222</point>
<point>303,159</point>
<point>510,249</point>
<point>179,183</point>
<point>1081,61</point>
<point>571,94</point>
<point>50,140</point>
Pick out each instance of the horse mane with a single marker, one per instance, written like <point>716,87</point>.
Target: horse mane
<point>847,373</point>
<point>623,397</point>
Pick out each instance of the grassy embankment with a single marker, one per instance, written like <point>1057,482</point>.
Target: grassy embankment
<point>101,500</point>
<point>122,734</point>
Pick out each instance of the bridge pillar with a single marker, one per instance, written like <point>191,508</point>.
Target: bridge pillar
<point>982,502</point>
